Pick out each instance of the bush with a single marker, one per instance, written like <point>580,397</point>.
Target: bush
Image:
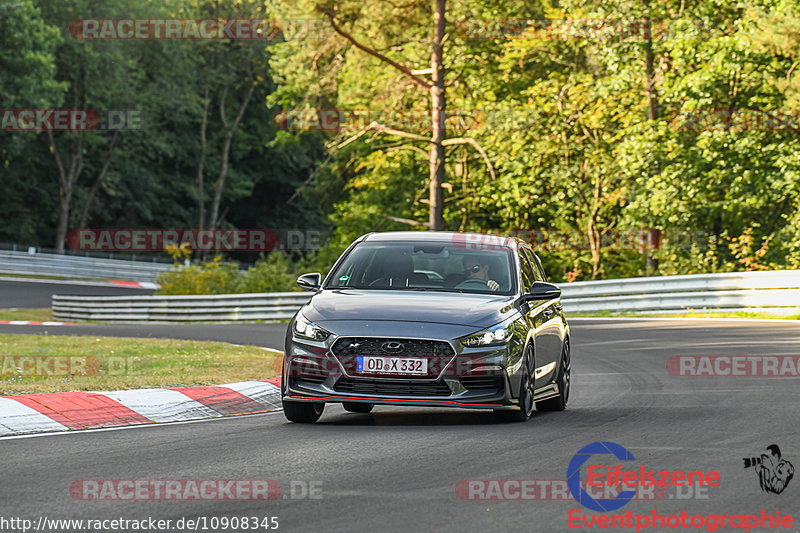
<point>271,274</point>
<point>212,277</point>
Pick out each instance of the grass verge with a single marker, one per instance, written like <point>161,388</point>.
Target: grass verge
<point>39,315</point>
<point>47,277</point>
<point>46,314</point>
<point>31,276</point>
<point>40,363</point>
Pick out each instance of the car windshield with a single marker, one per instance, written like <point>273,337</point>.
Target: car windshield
<point>425,267</point>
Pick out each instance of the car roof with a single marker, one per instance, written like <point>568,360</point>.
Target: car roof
<point>458,237</point>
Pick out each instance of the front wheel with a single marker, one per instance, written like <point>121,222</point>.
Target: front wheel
<point>302,412</point>
<point>559,402</point>
<point>525,393</point>
<point>356,407</point>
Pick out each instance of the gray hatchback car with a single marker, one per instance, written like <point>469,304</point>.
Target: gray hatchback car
<point>429,319</point>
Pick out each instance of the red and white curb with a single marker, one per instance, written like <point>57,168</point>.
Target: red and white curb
<point>94,283</point>
<point>35,323</point>
<point>62,411</point>
<point>136,284</point>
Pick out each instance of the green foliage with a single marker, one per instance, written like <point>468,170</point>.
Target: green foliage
<point>273,274</point>
<point>211,277</point>
<point>568,131</point>
<point>27,81</point>
<point>152,180</point>
<point>564,122</point>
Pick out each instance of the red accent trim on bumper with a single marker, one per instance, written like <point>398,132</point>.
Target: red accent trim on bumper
<point>401,400</point>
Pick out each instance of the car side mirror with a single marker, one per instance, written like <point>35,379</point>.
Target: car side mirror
<point>310,282</point>
<point>542,290</point>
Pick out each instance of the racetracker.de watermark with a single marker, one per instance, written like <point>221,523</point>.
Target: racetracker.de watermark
<point>194,523</point>
<point>335,120</point>
<point>557,490</point>
<point>155,240</point>
<point>101,490</point>
<point>48,365</point>
<point>635,240</point>
<point>585,29</point>
<point>199,29</point>
<point>69,119</point>
<point>320,364</point>
<point>777,366</point>
<point>735,120</point>
<point>37,366</point>
<point>410,120</point>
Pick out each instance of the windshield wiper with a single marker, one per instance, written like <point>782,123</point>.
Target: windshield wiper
<point>437,289</point>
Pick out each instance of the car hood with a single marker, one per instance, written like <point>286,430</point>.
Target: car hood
<point>478,310</point>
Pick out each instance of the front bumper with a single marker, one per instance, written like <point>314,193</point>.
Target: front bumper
<point>468,378</point>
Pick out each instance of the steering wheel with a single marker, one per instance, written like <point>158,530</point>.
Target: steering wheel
<point>474,283</point>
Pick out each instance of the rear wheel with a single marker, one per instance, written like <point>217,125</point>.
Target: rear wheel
<point>559,403</point>
<point>355,407</point>
<point>525,398</point>
<point>303,412</point>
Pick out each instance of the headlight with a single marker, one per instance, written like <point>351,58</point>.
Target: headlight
<point>308,330</point>
<point>493,336</point>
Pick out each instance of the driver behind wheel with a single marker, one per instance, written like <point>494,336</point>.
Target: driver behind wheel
<point>476,268</point>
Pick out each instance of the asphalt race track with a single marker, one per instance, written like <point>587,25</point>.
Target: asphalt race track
<point>37,293</point>
<point>397,469</point>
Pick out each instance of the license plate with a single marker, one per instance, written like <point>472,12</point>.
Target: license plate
<point>392,365</point>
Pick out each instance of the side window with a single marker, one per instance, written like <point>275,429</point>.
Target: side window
<point>528,276</point>
<point>538,273</point>
<point>541,268</point>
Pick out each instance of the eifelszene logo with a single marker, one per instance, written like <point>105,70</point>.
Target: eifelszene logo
<point>774,473</point>
<point>574,476</point>
<point>616,477</point>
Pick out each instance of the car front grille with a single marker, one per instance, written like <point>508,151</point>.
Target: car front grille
<point>348,349</point>
<point>372,346</point>
<point>311,373</point>
<point>393,387</point>
<point>482,383</point>
<point>311,379</point>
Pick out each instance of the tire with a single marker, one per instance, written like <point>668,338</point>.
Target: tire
<point>302,412</point>
<point>355,407</point>
<point>526,403</point>
<point>559,403</point>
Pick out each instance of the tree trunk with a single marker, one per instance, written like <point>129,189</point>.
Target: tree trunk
<point>63,218</point>
<point>201,194</point>
<point>652,94</point>
<point>96,184</point>
<point>438,106</point>
<point>66,181</point>
<point>595,241</point>
<point>651,264</point>
<point>226,150</point>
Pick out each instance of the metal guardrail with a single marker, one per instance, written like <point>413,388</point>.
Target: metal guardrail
<point>14,262</point>
<point>777,291</point>
<point>200,308</point>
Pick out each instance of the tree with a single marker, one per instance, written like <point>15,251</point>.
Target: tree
<point>356,17</point>
<point>27,81</point>
<point>100,76</point>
